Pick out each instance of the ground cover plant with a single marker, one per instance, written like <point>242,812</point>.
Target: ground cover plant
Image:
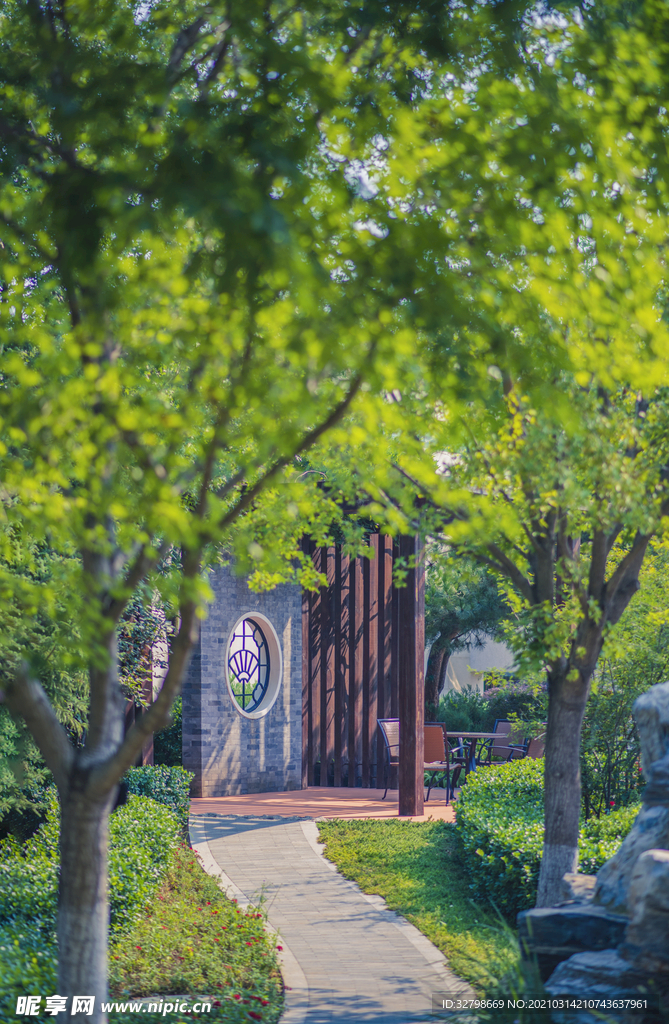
<point>500,826</point>
<point>416,868</point>
<point>194,940</point>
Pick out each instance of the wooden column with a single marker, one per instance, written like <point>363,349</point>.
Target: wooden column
<point>411,621</point>
<point>328,670</point>
<point>306,678</point>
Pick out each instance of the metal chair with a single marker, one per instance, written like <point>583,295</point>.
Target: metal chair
<point>390,730</point>
<point>436,761</point>
<point>501,748</point>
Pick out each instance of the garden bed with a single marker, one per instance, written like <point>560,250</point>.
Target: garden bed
<point>172,929</point>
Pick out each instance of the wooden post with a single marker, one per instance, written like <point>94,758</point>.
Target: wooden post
<point>411,680</point>
<point>306,678</point>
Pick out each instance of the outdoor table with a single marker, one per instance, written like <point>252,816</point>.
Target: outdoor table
<point>473,738</point>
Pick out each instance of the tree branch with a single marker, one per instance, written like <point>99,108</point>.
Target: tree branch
<point>141,567</point>
<point>597,574</point>
<point>25,697</point>
<point>511,570</point>
<point>309,439</point>
<point>106,775</point>
<point>624,583</point>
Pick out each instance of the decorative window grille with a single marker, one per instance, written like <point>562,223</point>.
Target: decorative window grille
<point>248,665</point>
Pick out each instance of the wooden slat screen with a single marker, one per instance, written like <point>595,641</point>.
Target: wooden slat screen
<point>351,632</point>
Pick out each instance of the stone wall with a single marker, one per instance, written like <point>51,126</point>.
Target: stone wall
<point>229,753</point>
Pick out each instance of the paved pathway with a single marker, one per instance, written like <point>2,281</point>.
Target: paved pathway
<point>347,959</point>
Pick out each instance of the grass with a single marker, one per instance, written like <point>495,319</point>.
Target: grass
<point>415,867</point>
<point>194,941</point>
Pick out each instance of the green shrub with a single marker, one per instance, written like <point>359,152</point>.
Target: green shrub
<point>142,836</point>
<point>167,742</point>
<point>473,711</point>
<point>168,785</point>
<point>28,966</point>
<point>193,939</point>
<point>500,824</point>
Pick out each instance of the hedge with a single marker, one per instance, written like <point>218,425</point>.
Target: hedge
<point>500,824</point>
<point>168,785</point>
<point>141,836</point>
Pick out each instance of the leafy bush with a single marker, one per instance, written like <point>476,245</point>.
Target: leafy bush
<point>167,742</point>
<point>164,784</point>
<point>500,823</point>
<point>142,837</point>
<point>472,711</point>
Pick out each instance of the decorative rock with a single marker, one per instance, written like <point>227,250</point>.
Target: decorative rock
<point>651,714</point>
<point>650,831</point>
<point>578,888</point>
<point>553,934</point>
<point>604,975</point>
<point>646,944</point>
<point>651,828</point>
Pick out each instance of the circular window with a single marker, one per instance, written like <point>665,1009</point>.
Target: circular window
<point>253,665</point>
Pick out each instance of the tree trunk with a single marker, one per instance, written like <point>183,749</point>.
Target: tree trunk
<point>562,775</point>
<point>83,905</point>
<point>433,680</point>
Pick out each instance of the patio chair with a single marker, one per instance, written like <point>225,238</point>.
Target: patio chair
<point>502,748</point>
<point>435,751</point>
<point>532,748</point>
<point>390,730</point>
<point>439,760</point>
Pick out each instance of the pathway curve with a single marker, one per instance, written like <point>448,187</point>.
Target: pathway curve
<point>347,959</point>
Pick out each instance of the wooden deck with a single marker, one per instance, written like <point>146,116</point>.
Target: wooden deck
<point>322,802</point>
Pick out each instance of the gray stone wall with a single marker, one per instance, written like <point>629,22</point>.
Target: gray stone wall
<point>229,753</point>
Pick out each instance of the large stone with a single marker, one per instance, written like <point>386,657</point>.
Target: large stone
<point>651,714</point>
<point>553,934</point>
<point>651,827</point>
<point>649,832</point>
<point>646,943</point>
<point>603,975</point>
<point>577,887</point>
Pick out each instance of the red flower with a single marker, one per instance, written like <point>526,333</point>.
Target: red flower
<point>280,947</point>
<point>236,997</point>
<point>256,1016</point>
<point>612,803</point>
<point>138,947</point>
<point>249,943</point>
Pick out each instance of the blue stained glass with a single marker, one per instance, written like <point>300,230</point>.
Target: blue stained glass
<point>248,665</point>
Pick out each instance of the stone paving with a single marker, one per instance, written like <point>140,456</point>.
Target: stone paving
<point>347,959</point>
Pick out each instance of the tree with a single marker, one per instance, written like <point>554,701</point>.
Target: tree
<point>636,657</point>
<point>462,607</point>
<point>547,255</point>
<point>189,301</point>
<point>562,511</point>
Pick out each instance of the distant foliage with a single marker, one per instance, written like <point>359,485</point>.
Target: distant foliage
<point>471,710</point>
<point>167,785</point>
<point>500,821</point>
<point>167,743</point>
